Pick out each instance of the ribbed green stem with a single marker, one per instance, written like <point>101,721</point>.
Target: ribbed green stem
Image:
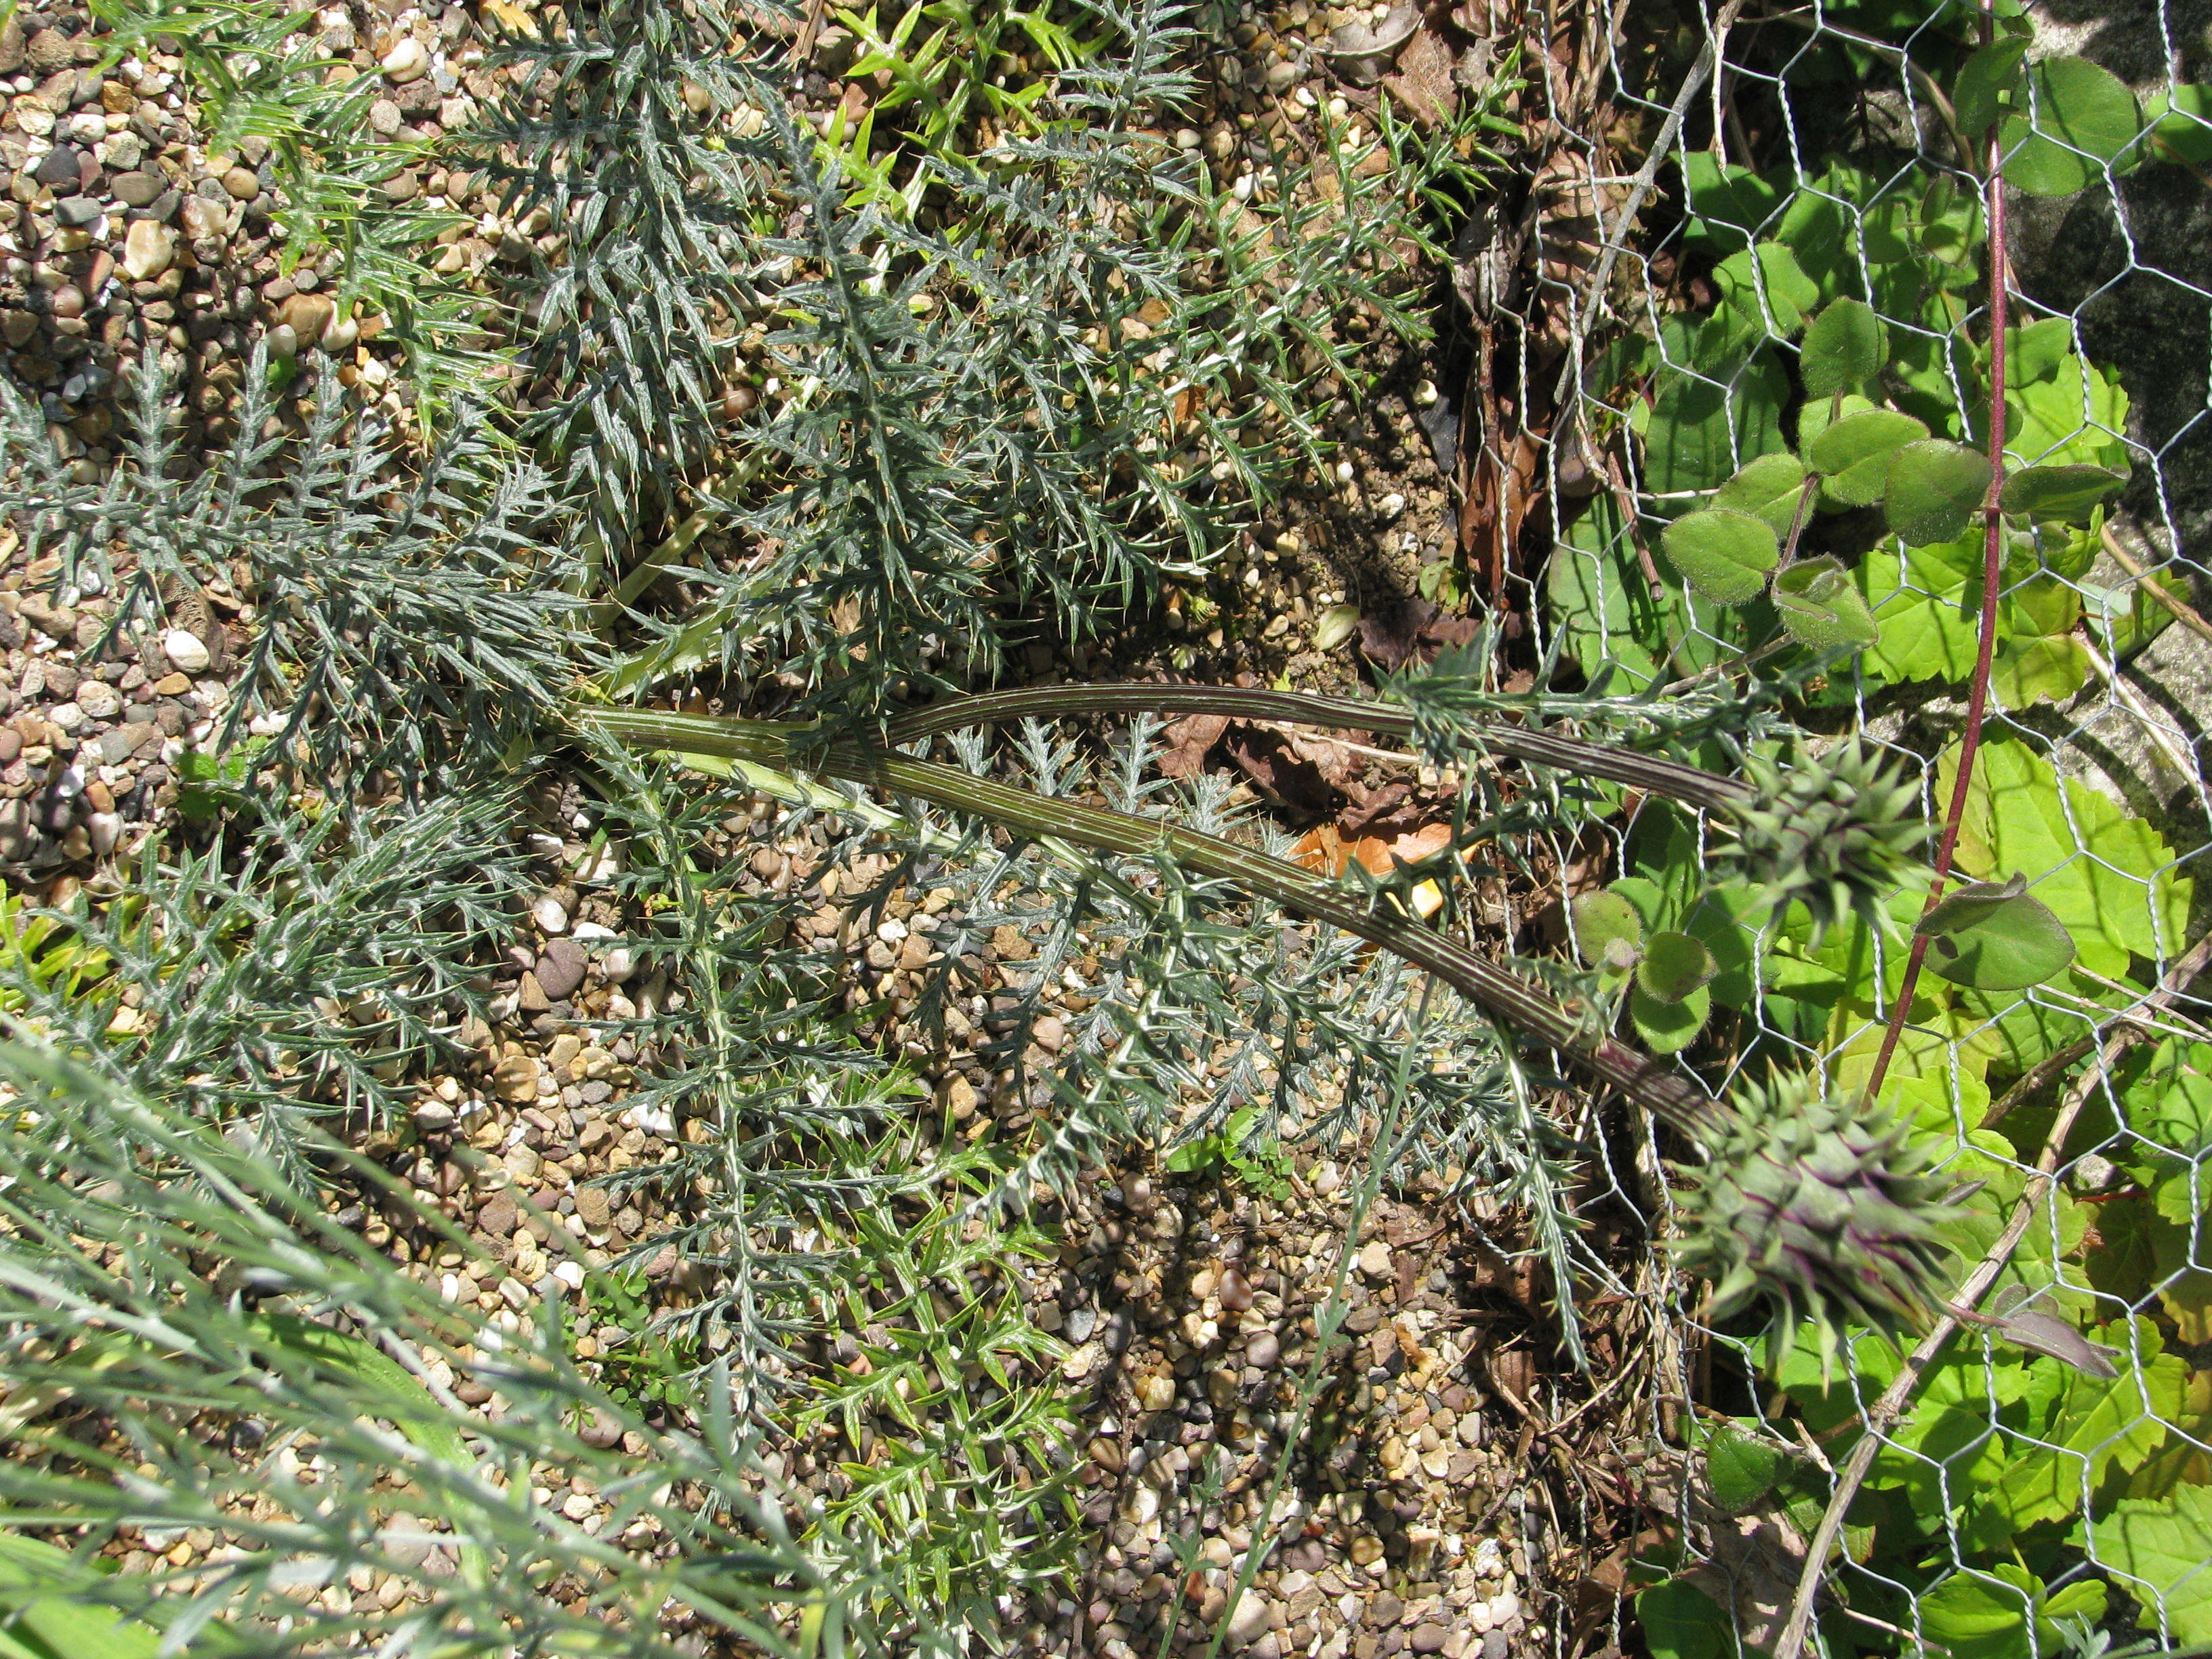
<point>1653,772</point>
<point>1506,995</point>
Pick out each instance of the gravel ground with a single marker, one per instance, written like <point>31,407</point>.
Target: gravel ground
<point>1418,1518</point>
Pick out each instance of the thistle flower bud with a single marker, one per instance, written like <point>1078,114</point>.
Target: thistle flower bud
<point>1837,830</point>
<point>1803,1201</point>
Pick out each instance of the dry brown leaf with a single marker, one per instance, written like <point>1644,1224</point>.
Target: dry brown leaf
<point>1424,83</point>
<point>1189,741</point>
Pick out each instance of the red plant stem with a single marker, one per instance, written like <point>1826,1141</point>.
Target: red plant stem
<point>1977,697</point>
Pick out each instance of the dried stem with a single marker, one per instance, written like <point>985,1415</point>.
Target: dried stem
<point>1691,784</point>
<point>1505,995</point>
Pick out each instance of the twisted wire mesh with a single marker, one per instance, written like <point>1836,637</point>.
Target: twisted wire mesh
<point>2094,779</point>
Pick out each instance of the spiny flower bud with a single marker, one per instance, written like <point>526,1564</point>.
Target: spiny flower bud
<point>1837,830</point>
<point>1832,1218</point>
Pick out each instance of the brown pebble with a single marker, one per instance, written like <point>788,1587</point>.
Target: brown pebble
<point>592,1204</point>
<point>1234,1290</point>
<point>604,1430</point>
<point>306,315</point>
<point>242,183</point>
<point>498,1216</point>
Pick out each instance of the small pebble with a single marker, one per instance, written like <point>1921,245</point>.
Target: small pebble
<point>187,653</point>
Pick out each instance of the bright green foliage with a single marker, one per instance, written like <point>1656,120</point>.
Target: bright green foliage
<point>2069,119</point>
<point>1771,488</point>
<point>2104,873</point>
<point>1934,487</point>
<point>1818,605</point>
<point>2062,494</point>
<point>1844,349</point>
<point>49,1607</point>
<point>2162,1549</point>
<point>1853,455</point>
<point>2005,1615</point>
<point>1723,554</point>
<point>1994,937</point>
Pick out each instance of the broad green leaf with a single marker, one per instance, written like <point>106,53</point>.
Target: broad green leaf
<point>1668,1027</point>
<point>2162,1553</point>
<point>1603,919</point>
<point>1767,271</point>
<point>1845,346</point>
<point>1742,1467</point>
<point>2098,1426</point>
<point>2181,120</point>
<point>1818,605</point>
<point>2074,117</point>
<point>2166,1092</point>
<point>1725,555</point>
<point>1612,622</point>
<point>2037,668</point>
<point>2004,1614</point>
<point>2074,417</point>
<point>1730,203</point>
<point>1989,80</point>
<point>1770,487</point>
<point>1933,489</point>
<point>1675,966</point>
<point>1681,1621</point>
<point>2038,351</point>
<point>1918,602</point>
<point>1995,936</point>
<point>2104,873</point>
<point>2062,495</point>
<point>1855,452</point>
<point>1712,409</point>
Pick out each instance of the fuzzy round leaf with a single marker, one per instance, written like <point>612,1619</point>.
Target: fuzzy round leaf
<point>1844,348</point>
<point>1934,487</point>
<point>1668,1027</point>
<point>1769,488</point>
<point>1725,555</point>
<point>1992,936</point>
<point>1674,966</point>
<point>1603,920</point>
<point>1741,1468</point>
<point>2077,117</point>
<point>2058,495</point>
<point>1854,454</point>
<point>1822,607</point>
<point>1818,414</point>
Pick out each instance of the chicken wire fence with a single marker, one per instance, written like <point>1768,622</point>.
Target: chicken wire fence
<point>2042,1486</point>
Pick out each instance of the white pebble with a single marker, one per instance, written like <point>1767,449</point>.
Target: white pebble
<point>187,653</point>
<point>99,700</point>
<point>593,930</point>
<point>67,715</point>
<point>406,60</point>
<point>548,913</point>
